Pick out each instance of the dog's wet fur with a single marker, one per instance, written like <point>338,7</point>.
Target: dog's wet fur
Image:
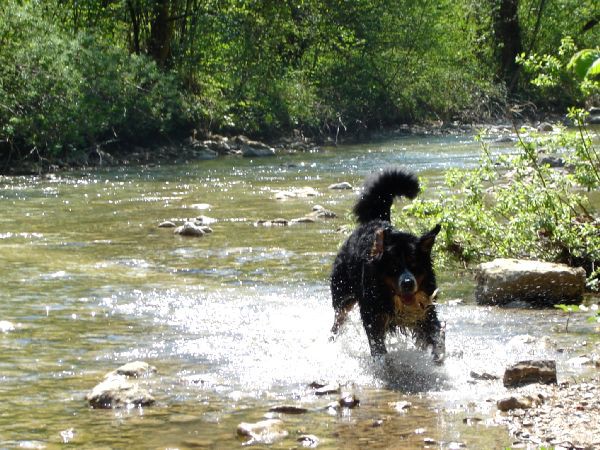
<point>388,272</point>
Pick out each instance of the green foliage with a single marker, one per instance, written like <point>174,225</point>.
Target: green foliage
<point>61,93</point>
<point>75,73</point>
<point>582,63</point>
<point>514,206</point>
<point>568,77</point>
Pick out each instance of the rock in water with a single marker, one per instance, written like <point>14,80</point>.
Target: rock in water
<point>263,432</point>
<point>527,372</point>
<point>539,283</point>
<point>135,369</point>
<point>344,185</point>
<point>118,392</point>
<point>189,229</point>
<point>308,441</point>
<point>167,224</point>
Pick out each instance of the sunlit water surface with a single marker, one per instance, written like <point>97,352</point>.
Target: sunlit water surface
<point>235,322</point>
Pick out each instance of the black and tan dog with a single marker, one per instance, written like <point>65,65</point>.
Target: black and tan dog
<point>387,272</point>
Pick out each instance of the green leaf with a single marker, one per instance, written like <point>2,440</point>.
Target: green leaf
<point>594,70</point>
<point>583,61</point>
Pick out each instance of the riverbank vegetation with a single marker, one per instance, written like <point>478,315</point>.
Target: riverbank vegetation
<point>531,204</point>
<point>535,202</point>
<point>76,76</point>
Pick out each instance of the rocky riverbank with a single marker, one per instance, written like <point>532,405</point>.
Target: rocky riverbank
<point>566,415</point>
<point>211,146</point>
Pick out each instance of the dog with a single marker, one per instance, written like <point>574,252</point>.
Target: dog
<point>388,272</point>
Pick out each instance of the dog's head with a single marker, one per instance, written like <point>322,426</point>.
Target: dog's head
<point>403,260</point>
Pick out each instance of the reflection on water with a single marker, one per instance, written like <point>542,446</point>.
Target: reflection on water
<point>236,321</point>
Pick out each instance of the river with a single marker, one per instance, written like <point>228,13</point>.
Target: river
<point>236,321</point>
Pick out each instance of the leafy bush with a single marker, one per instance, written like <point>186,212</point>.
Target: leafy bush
<point>60,94</point>
<point>568,77</point>
<point>515,206</point>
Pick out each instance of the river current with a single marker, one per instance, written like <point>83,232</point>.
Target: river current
<point>236,321</point>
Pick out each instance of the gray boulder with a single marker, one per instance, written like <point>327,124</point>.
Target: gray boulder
<point>551,160</point>
<point>251,149</point>
<point>117,391</point>
<point>203,153</point>
<point>593,119</point>
<point>219,146</point>
<point>503,281</point>
<point>545,127</point>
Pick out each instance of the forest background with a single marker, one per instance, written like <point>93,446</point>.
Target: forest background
<point>78,74</point>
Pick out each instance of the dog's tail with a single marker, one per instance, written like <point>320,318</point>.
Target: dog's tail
<point>379,192</point>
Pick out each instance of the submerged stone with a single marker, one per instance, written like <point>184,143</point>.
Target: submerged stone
<point>288,409</point>
<point>263,432</point>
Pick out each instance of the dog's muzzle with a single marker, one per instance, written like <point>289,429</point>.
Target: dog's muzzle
<point>408,287</point>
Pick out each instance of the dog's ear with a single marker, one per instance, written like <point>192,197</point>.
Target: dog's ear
<point>427,240</point>
<point>378,244</point>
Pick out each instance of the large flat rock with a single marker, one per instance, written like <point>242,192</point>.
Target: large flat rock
<point>503,281</point>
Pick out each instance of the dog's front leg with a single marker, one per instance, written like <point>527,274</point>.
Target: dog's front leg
<point>432,332</point>
<point>375,327</point>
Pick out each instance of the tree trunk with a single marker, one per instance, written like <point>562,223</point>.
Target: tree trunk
<point>507,34</point>
<point>161,31</point>
<point>135,25</point>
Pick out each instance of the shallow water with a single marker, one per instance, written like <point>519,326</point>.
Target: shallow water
<point>237,321</point>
